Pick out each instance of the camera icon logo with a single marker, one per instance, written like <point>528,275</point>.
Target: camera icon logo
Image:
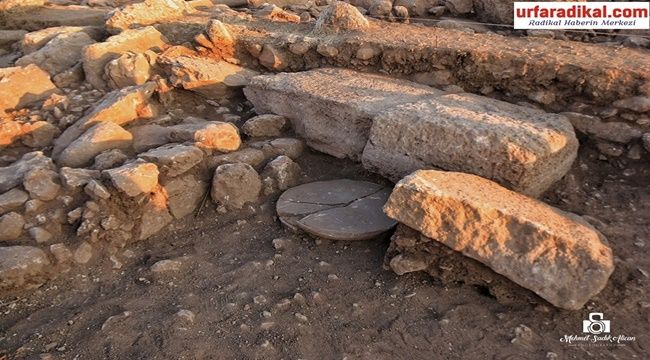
<point>596,324</point>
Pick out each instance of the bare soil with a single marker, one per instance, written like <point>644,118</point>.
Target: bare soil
<point>342,303</point>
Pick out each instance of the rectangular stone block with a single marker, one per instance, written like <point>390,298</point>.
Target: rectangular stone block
<point>554,253</point>
<point>521,148</point>
<point>332,109</point>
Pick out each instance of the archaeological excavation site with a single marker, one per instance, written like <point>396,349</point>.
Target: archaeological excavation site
<point>320,179</point>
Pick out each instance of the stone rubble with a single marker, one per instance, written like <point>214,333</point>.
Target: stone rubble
<point>129,133</point>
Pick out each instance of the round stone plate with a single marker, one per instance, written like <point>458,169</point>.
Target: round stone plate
<point>337,210</point>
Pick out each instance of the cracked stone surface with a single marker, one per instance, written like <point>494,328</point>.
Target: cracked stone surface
<point>337,210</point>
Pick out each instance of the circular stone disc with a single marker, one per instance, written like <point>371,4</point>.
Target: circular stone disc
<point>337,209</point>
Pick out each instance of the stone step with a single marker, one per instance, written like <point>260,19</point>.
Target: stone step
<point>413,127</point>
<point>332,109</point>
<point>554,253</point>
<point>521,148</point>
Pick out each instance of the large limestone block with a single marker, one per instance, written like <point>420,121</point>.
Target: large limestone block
<point>96,56</point>
<point>332,108</point>
<point>551,252</point>
<point>523,149</point>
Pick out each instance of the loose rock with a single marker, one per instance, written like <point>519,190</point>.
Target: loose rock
<point>234,185</point>
<point>11,226</point>
<point>268,125</point>
<point>22,267</point>
<point>488,225</point>
<point>12,200</point>
<point>174,159</point>
<point>42,184</point>
<point>134,178</point>
<point>99,138</point>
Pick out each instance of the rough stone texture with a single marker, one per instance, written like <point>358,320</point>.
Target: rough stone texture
<point>9,37</point>
<point>208,77</point>
<point>155,214</point>
<point>517,66</point>
<point>13,5</point>
<point>214,135</point>
<point>340,16</point>
<point>39,134</point>
<point>10,133</point>
<point>12,175</point>
<point>130,69</point>
<point>12,200</point>
<point>184,194</point>
<point>551,252</point>
<point>284,172</point>
<point>290,147</point>
<point>173,159</point>
<point>150,136</point>
<point>109,159</point>
<point>11,226</point>
<point>410,251</point>
<point>40,17</point>
<point>252,157</point>
<point>267,125</point>
<point>59,54</point>
<point>234,185</point>
<point>40,235</point>
<point>42,184</point>
<point>523,149</point>
<point>148,12</point>
<point>332,108</point>
<point>120,107</point>
<point>83,253</point>
<point>35,40</point>
<point>134,178</point>
<point>101,137</point>
<point>24,86</point>
<point>96,190</point>
<point>337,209</point>
<point>74,178</point>
<point>637,103</point>
<point>96,56</point>
<point>22,267</point>
<point>611,131</point>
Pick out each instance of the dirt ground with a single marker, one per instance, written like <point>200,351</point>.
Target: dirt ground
<point>316,299</point>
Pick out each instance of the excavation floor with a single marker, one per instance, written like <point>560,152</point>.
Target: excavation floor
<point>341,302</point>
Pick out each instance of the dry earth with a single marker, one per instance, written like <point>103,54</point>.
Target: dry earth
<point>248,299</point>
<point>140,267</point>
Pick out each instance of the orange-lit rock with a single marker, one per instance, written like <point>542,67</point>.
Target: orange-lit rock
<point>551,252</point>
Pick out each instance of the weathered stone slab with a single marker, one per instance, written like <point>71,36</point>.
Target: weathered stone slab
<point>119,106</point>
<point>148,12</point>
<point>208,77</point>
<point>523,149</point>
<point>23,86</point>
<point>337,210</point>
<point>332,108</point>
<point>556,254</point>
<point>59,54</point>
<point>173,159</point>
<point>12,175</point>
<point>99,138</point>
